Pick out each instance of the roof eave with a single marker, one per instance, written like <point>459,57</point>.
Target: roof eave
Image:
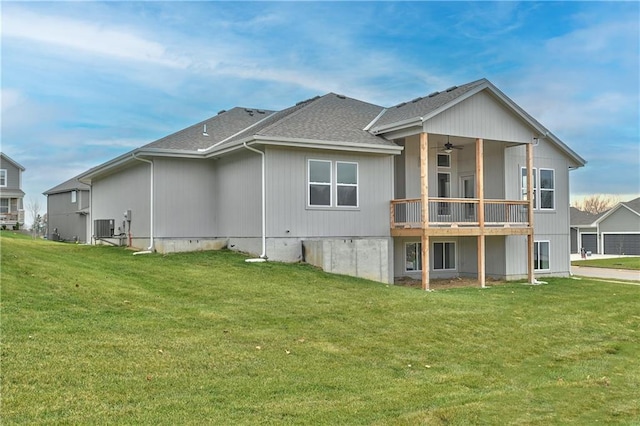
<point>308,143</point>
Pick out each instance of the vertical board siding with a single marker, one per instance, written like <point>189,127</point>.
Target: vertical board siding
<point>184,199</point>
<point>480,116</point>
<point>126,190</point>
<point>237,190</point>
<point>289,216</point>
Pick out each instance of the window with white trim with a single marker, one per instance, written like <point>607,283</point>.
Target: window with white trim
<point>413,257</point>
<point>332,184</point>
<point>319,183</point>
<point>444,256</point>
<point>4,205</point>
<point>444,160</point>
<point>543,194</point>
<point>3,177</point>
<point>541,255</point>
<point>346,184</point>
<point>547,189</point>
<point>74,196</point>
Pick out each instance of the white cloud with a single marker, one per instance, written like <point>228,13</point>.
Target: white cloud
<point>88,36</point>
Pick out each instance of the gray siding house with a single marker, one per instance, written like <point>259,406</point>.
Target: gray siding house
<point>11,194</point>
<point>68,212</point>
<point>616,231</point>
<point>461,182</point>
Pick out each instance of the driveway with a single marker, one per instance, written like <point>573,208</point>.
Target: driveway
<point>611,274</point>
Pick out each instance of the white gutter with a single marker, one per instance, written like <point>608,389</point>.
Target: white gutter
<point>150,248</point>
<point>263,256</point>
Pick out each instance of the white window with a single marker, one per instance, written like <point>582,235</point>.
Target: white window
<point>73,196</point>
<point>3,177</point>
<point>541,255</point>
<point>444,160</point>
<point>547,189</point>
<point>319,183</point>
<point>444,256</point>
<point>347,184</point>
<point>413,257</point>
<point>4,205</point>
<point>323,192</point>
<point>543,194</point>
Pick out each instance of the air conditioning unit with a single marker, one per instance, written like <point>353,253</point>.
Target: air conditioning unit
<point>103,228</point>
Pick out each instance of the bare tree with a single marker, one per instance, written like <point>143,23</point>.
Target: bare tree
<point>33,207</point>
<point>597,203</point>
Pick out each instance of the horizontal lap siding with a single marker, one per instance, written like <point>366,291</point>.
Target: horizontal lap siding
<point>287,196</point>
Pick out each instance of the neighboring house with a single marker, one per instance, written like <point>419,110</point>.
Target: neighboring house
<point>11,195</point>
<point>616,231</point>
<point>341,184</point>
<point>68,212</point>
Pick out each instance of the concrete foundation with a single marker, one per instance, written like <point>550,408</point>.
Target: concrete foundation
<point>177,245</point>
<point>368,258</point>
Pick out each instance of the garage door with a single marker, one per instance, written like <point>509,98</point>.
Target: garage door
<point>622,244</point>
<point>590,242</point>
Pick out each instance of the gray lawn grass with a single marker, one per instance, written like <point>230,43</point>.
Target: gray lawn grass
<point>94,335</point>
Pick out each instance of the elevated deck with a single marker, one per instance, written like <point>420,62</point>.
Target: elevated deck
<point>459,217</point>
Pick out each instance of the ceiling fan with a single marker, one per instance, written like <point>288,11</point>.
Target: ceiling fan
<point>448,147</point>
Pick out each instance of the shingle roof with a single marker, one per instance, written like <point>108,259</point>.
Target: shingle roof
<point>633,205</point>
<point>331,117</point>
<point>70,185</point>
<point>580,218</point>
<point>218,128</point>
<point>420,107</point>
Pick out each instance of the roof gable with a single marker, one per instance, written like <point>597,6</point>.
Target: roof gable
<point>633,206</point>
<point>10,160</point>
<point>72,184</point>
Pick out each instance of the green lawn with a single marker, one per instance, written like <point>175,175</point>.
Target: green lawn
<point>94,335</point>
<point>613,263</point>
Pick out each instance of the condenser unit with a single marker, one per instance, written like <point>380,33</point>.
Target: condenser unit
<point>103,228</point>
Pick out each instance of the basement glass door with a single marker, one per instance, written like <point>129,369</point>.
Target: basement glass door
<point>468,190</point>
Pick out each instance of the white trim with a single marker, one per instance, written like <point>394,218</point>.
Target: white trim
<point>418,256</point>
<point>6,178</point>
<point>444,154</point>
<point>616,233</point>
<point>356,185</point>
<point>310,182</point>
<point>613,210</point>
<point>540,189</point>
<point>74,196</point>
<point>537,243</point>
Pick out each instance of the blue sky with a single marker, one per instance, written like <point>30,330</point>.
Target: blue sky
<point>85,82</point>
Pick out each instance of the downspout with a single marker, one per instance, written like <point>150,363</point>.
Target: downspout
<point>263,256</point>
<point>150,248</point>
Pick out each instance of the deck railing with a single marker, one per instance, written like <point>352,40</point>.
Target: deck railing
<point>407,213</point>
<point>12,217</point>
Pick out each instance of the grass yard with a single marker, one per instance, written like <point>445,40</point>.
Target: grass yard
<point>632,263</point>
<point>94,335</point>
